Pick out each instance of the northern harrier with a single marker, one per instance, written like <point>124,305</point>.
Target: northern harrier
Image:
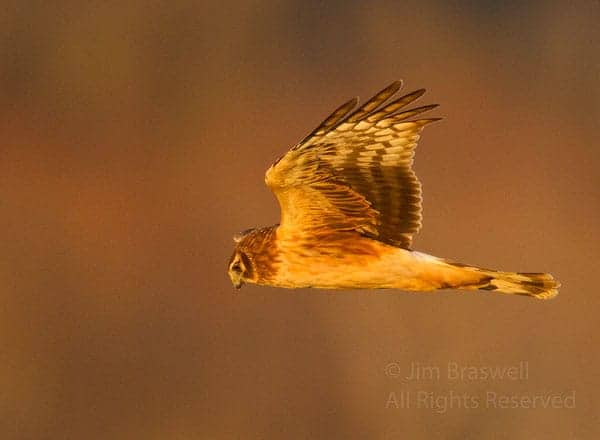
<point>350,204</point>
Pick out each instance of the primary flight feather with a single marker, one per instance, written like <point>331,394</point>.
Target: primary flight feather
<point>350,204</point>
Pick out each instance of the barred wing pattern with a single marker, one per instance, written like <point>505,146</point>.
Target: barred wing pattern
<point>354,172</point>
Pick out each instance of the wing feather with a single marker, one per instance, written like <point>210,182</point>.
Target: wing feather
<point>375,102</point>
<point>354,172</point>
<point>396,104</point>
<point>331,121</point>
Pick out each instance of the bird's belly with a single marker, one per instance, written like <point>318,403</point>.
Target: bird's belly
<point>387,267</point>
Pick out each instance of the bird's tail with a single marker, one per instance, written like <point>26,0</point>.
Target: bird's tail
<point>537,285</point>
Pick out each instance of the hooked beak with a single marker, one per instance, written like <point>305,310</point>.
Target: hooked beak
<point>236,280</point>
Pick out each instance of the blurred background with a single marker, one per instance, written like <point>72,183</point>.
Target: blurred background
<point>134,141</point>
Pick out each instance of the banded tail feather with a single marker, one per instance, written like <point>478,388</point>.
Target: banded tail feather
<point>537,285</point>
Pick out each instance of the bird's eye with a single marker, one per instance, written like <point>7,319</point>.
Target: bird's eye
<point>236,267</point>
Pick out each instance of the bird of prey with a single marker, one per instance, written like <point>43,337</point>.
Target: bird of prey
<point>350,204</point>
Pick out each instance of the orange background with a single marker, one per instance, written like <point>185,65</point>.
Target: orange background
<point>134,139</point>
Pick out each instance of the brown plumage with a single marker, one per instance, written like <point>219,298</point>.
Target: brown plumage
<point>350,204</point>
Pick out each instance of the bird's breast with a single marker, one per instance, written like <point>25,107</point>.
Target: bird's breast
<point>339,261</point>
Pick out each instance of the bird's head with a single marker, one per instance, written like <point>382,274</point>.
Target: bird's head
<point>240,267</point>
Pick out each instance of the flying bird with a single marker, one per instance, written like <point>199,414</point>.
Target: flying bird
<point>350,205</point>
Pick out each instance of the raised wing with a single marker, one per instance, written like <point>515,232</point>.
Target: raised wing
<point>354,172</point>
